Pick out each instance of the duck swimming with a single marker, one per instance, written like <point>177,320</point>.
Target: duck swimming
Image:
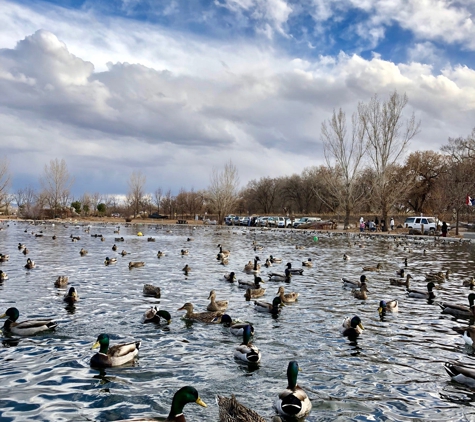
<point>287,297</point>
<point>29,264</point>
<point>182,397</point>
<point>388,306</point>
<point>25,328</point>
<point>231,277</point>
<point>61,281</point>
<point>236,328</point>
<point>151,290</point>
<point>252,268</point>
<point>399,282</point>
<point>230,410</point>
<point>136,264</point>
<point>114,356</point>
<point>370,268</point>
<point>153,315</point>
<point>216,305</point>
<point>428,295</point>
<point>362,293</point>
<point>71,296</point>
<point>272,308</point>
<point>354,283</point>
<point>352,327</point>
<point>286,276</point>
<point>206,317</point>
<point>294,271</point>
<point>246,351</point>
<point>256,284</point>
<point>460,311</point>
<point>461,373</point>
<point>109,261</point>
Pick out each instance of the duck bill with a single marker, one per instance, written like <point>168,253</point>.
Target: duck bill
<point>361,326</point>
<point>169,321</point>
<point>180,309</point>
<point>95,345</point>
<point>3,316</point>
<point>380,310</point>
<point>201,402</point>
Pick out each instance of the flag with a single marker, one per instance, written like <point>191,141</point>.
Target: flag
<point>469,201</point>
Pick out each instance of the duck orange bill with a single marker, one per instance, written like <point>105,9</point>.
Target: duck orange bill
<point>361,326</point>
<point>95,345</point>
<point>201,402</point>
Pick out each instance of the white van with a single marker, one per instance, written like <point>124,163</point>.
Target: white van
<point>429,223</point>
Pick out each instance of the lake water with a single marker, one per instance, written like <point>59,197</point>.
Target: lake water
<point>393,372</point>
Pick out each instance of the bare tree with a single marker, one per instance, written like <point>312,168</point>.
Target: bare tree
<point>223,189</point>
<point>136,191</point>
<point>4,181</point>
<point>345,152</point>
<point>263,192</point>
<point>157,198</point>
<point>56,183</point>
<point>25,199</point>
<point>387,138</point>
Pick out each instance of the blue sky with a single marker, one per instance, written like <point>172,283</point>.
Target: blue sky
<point>175,88</point>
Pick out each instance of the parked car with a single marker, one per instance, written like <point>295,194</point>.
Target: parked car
<point>244,221</point>
<point>429,223</point>
<point>263,221</point>
<point>284,222</point>
<point>272,221</point>
<point>157,215</point>
<point>231,219</point>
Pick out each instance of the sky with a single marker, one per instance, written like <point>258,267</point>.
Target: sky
<point>177,88</point>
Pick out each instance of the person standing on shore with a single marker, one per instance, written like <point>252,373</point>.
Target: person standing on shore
<point>444,229</point>
<point>391,223</point>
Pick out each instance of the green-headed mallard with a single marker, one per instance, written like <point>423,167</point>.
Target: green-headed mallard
<point>252,268</point>
<point>254,293</point>
<point>3,275</point>
<point>160,254</point>
<point>370,268</point>
<point>362,293</point>
<point>399,282</point>
<point>114,247</point>
<point>151,290</point>
<point>182,397</point>
<point>353,283</point>
<point>461,374</point>
<point>307,263</point>
<point>71,296</point>
<point>25,328</point>
<point>428,295</point>
<point>61,281</point>
<point>207,317</point>
<point>29,264</point>
<point>109,261</point>
<point>268,264</point>
<point>293,401</point>
<point>231,277</point>
<point>275,260</point>
<point>113,356</point>
<point>243,284</point>
<point>286,276</point>
<point>230,410</point>
<point>271,308</point>
<point>236,328</point>
<point>388,306</point>
<point>83,252</point>
<point>438,276</point>
<point>216,305</point>
<point>184,252</point>
<point>287,297</point>
<point>153,315</point>
<point>136,264</point>
<point>352,327</point>
<point>460,311</point>
<point>294,271</point>
<point>246,351</point>
<point>21,246</point>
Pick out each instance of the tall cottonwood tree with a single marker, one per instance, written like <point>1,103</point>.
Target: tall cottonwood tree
<point>4,181</point>
<point>56,183</point>
<point>136,191</point>
<point>387,135</point>
<point>223,190</point>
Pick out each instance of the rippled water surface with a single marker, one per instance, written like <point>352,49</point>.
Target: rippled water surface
<point>393,372</point>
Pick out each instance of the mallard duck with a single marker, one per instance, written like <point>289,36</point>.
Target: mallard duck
<point>307,263</point>
<point>353,283</point>
<point>186,269</point>
<point>114,247</point>
<point>287,297</point>
<point>25,328</point>
<point>345,257</point>
<point>256,246</point>
<point>400,272</point>
<point>254,293</point>
<point>294,271</point>
<point>3,275</point>
<point>271,308</point>
<point>256,284</point>
<point>362,293</point>
<point>160,254</point>
<point>398,282</point>
<point>389,306</point>
<point>286,276</point>
<point>21,246</point>
<point>208,317</point>
<point>235,328</point>
<point>4,258</point>
<point>150,239</point>
<point>461,311</point>
<point>114,356</point>
<point>61,281</point>
<point>83,252</point>
<point>136,264</point>
<point>184,252</point>
<point>352,327</point>
<point>438,276</point>
<point>182,397</point>
<point>268,263</point>
<point>216,305</point>
<point>26,251</point>
<point>252,268</point>
<point>246,351</point>
<point>469,283</point>
<point>231,277</point>
<point>222,253</point>
<point>29,264</point>
<point>71,296</point>
<point>293,401</point>
<point>224,261</point>
<point>153,315</point>
<point>109,261</point>
<point>461,374</point>
<point>119,239</point>
<point>274,260</point>
<point>377,268</point>
<point>123,253</point>
<point>151,290</point>
<point>429,294</point>
<point>230,410</point>
<point>299,247</point>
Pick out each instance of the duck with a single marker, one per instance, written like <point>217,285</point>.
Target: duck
<point>429,294</point>
<point>362,293</point>
<point>230,410</point>
<point>184,252</point>
<point>222,253</point>
<point>61,281</point>
<point>25,251</point>
<point>346,257</point>
<point>216,305</point>
<point>25,328</point>
<point>160,254</point>
<point>294,271</point>
<point>460,311</point>
<point>287,297</point>
<point>207,317</point>
<point>352,327</point>
<point>271,308</point>
<point>461,373</point>
<point>293,402</point>
<point>119,239</point>
<point>286,276</point>
<point>275,260</point>
<point>186,269</point>
<point>388,306</point>
<point>153,315</point>
<point>400,272</point>
<point>256,246</point>
<point>114,247</point>
<point>252,268</point>
<point>4,258</point>
<point>224,261</point>
<point>124,252</point>
<point>83,252</point>
<point>231,277</point>
<point>438,276</point>
<point>354,283</point>
<point>3,276</point>
<point>256,284</point>
<point>246,351</point>
<point>71,296</point>
<point>254,293</point>
<point>150,239</point>
<point>29,264</point>
<point>398,282</point>
<point>21,246</point>
<point>113,356</point>
<point>109,261</point>
<point>268,263</point>
<point>377,268</point>
<point>235,328</point>
<point>469,283</point>
<point>136,264</point>
<point>308,263</point>
<point>151,290</point>
<point>182,397</point>
<point>300,247</point>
